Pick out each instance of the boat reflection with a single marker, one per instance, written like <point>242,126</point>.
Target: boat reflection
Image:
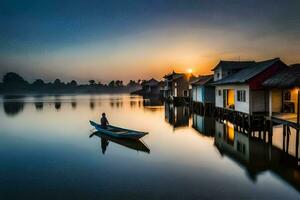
<point>137,145</point>
<point>255,155</point>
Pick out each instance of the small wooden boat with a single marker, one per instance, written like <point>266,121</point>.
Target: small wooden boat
<point>118,132</point>
<point>137,145</point>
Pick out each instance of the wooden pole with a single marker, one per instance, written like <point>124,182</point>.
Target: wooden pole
<point>270,103</point>
<point>283,138</point>
<point>298,108</point>
<point>288,138</point>
<point>298,127</point>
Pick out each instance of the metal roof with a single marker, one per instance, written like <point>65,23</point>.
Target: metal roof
<point>202,80</point>
<point>287,78</point>
<point>232,64</point>
<point>150,82</point>
<point>247,73</point>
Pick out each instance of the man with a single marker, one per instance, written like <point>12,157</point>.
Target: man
<point>104,121</point>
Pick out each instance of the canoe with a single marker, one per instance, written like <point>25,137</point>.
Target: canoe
<point>137,145</point>
<point>119,132</point>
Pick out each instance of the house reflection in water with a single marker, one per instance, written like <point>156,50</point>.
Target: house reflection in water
<point>178,116</point>
<point>255,155</point>
<point>205,125</point>
<point>153,104</point>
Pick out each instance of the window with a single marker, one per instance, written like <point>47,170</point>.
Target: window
<point>175,84</point>
<point>218,75</point>
<point>241,95</point>
<point>220,92</point>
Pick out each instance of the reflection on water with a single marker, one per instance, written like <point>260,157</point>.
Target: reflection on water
<point>57,103</point>
<point>73,103</point>
<point>137,145</point>
<point>178,116</point>
<point>39,105</point>
<point>13,108</point>
<point>13,105</point>
<point>92,103</point>
<point>153,104</point>
<point>38,102</point>
<point>255,155</point>
<point>116,102</point>
<point>205,125</point>
<point>49,154</point>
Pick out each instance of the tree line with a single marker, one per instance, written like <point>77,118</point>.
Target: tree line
<point>15,83</point>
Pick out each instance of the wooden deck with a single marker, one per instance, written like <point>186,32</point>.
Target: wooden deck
<point>286,118</point>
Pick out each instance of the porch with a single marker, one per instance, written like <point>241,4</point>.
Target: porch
<point>286,119</point>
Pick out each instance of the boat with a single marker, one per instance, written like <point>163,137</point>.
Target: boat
<point>118,132</point>
<point>137,145</point>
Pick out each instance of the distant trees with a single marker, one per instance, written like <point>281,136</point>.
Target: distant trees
<point>38,83</point>
<point>131,82</point>
<point>58,82</point>
<point>117,83</point>
<point>92,82</point>
<point>14,83</point>
<point>73,83</point>
<point>14,80</point>
<point>111,84</point>
<point>99,83</point>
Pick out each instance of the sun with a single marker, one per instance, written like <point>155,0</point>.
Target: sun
<point>190,70</point>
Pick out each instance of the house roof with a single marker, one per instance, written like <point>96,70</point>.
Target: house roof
<point>150,82</point>
<point>247,73</point>
<point>174,75</point>
<point>287,78</point>
<point>202,80</point>
<point>232,64</point>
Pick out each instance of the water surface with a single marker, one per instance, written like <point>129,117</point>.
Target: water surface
<point>46,153</point>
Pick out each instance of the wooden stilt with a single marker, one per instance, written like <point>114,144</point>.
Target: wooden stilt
<point>288,139</point>
<point>270,133</point>
<point>283,138</point>
<point>298,122</point>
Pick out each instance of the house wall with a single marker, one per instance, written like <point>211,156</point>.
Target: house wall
<point>294,98</point>
<point>204,94</point>
<point>222,73</point>
<point>218,70</point>
<point>276,100</point>
<point>239,106</point>
<point>209,94</point>
<point>182,84</point>
<point>259,100</point>
<point>198,93</point>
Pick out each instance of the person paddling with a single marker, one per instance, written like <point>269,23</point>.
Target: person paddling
<point>104,121</point>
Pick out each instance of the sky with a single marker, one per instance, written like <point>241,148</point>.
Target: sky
<point>140,39</point>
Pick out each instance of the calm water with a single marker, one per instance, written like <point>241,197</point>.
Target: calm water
<point>46,153</point>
